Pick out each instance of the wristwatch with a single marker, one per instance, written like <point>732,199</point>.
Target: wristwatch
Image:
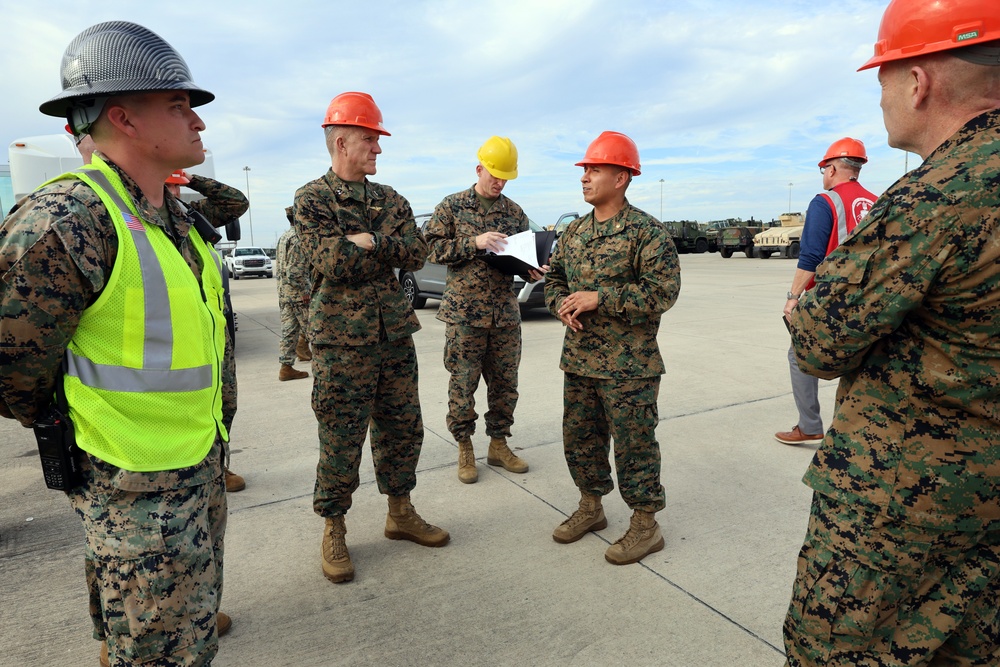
<point>374,241</point>
<point>793,296</point>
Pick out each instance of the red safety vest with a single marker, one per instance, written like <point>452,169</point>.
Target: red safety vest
<point>849,203</point>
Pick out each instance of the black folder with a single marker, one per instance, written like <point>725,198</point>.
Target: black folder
<point>514,266</point>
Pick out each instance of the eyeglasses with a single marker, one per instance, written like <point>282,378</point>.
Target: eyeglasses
<point>823,169</point>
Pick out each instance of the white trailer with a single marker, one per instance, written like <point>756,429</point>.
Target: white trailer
<point>34,160</point>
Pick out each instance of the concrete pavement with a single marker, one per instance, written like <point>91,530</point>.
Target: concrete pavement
<point>502,592</point>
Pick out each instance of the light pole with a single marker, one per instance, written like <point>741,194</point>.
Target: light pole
<point>661,200</point>
<point>789,197</point>
<point>246,170</point>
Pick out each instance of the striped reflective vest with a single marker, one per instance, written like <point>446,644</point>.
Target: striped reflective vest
<point>849,203</point>
<point>143,369</point>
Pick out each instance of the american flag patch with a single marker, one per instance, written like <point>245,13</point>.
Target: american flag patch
<point>133,223</point>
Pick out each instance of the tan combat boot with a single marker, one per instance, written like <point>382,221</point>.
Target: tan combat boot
<point>234,483</point>
<point>500,455</point>
<point>467,473</point>
<point>288,373</point>
<point>337,565</point>
<point>587,518</point>
<point>642,538</point>
<point>302,349</point>
<point>403,523</point>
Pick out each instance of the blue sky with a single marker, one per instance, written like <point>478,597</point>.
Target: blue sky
<point>728,101</point>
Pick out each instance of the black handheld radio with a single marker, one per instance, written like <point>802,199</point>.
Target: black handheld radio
<point>57,445</point>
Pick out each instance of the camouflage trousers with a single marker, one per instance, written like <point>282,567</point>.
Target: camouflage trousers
<point>294,322</point>
<point>358,386</point>
<point>494,355</point>
<point>874,591</point>
<point>153,564</point>
<point>596,410</point>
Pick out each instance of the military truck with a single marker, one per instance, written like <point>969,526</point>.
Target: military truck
<point>713,231</point>
<point>688,235</point>
<point>738,236</point>
<point>783,240</point>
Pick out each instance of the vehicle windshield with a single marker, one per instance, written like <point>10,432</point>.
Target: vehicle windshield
<point>242,252</point>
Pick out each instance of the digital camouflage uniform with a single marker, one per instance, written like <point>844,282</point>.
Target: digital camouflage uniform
<point>293,294</point>
<point>159,531</point>
<point>479,307</point>
<point>900,562</point>
<point>361,326</point>
<point>221,204</point>
<point>613,365</point>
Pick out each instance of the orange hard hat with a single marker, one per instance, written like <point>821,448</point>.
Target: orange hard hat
<point>846,147</point>
<point>354,109</point>
<point>612,148</point>
<point>179,177</point>
<point>917,27</point>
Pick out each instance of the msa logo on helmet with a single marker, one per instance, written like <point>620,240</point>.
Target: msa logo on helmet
<point>972,34</point>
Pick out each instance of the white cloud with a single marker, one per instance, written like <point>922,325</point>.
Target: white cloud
<point>729,101</point>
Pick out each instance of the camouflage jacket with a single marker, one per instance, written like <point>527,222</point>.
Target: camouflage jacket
<point>56,254</point>
<point>293,270</point>
<point>356,298</point>
<point>907,313</point>
<point>221,204</point>
<point>631,261</point>
<point>476,294</point>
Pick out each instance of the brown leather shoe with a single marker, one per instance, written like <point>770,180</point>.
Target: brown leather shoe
<point>234,482</point>
<point>289,373</point>
<point>797,437</point>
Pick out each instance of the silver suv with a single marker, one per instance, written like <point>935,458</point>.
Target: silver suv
<point>429,282</point>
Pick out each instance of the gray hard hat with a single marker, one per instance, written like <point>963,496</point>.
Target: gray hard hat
<point>114,58</point>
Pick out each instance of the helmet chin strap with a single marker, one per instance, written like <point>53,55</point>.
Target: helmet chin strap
<point>85,113</point>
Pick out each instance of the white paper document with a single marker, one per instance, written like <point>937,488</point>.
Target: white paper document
<point>521,246</point>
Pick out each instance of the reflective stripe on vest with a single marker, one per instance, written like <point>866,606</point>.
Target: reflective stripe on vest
<point>840,231</point>
<point>143,368</point>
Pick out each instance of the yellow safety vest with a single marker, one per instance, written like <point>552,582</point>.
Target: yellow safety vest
<point>143,369</point>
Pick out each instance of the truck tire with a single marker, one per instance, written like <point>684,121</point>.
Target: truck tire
<point>748,251</point>
<point>409,284</point>
<point>764,254</point>
<point>726,252</point>
<point>701,245</point>
<point>793,250</point>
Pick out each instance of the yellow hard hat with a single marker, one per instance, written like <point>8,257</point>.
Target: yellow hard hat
<point>499,156</point>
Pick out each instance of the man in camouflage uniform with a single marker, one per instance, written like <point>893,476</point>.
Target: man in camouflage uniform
<point>613,274</point>
<point>293,300</point>
<point>479,307</point>
<point>154,537</point>
<point>354,232</point>
<point>901,558</point>
<point>221,204</point>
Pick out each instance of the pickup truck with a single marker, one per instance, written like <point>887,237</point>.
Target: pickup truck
<point>249,261</point>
